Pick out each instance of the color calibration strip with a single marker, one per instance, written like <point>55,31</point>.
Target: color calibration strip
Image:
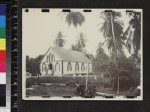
<point>2,55</point>
<point>14,56</point>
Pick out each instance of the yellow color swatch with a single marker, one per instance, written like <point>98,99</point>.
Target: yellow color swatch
<point>2,44</point>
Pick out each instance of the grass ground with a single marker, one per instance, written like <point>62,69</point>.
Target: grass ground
<point>51,90</point>
<point>65,86</point>
<point>60,86</point>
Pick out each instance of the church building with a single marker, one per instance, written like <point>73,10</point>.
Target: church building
<point>60,61</point>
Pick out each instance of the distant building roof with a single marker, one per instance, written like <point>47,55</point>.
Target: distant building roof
<point>70,55</point>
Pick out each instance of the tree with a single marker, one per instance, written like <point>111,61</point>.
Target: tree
<point>59,41</point>
<point>77,19</point>
<point>133,32</point>
<point>74,18</point>
<point>90,56</point>
<point>33,65</point>
<point>101,60</point>
<point>38,61</point>
<point>112,29</point>
<point>28,64</point>
<point>77,46</point>
<point>127,69</point>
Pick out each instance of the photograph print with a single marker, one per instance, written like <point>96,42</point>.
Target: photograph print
<point>82,54</point>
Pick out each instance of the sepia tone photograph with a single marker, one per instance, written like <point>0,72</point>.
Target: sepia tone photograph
<point>82,54</point>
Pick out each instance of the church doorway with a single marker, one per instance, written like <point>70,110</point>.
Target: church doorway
<point>50,70</point>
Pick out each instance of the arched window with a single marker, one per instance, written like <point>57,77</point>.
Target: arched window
<point>43,67</point>
<point>77,67</point>
<point>69,67</point>
<point>82,67</point>
<point>47,58</point>
<point>57,67</point>
<point>52,58</point>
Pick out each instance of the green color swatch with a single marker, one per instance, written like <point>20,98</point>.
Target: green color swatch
<point>2,32</point>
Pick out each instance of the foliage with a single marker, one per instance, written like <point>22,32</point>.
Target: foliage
<point>80,43</point>
<point>100,62</point>
<point>124,71</point>
<point>133,32</point>
<point>127,69</point>
<point>33,64</point>
<point>89,93</point>
<point>90,56</point>
<point>74,18</point>
<point>59,41</point>
<point>112,29</point>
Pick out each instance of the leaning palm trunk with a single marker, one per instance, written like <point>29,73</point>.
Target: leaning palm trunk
<point>86,65</point>
<point>113,35</point>
<point>85,60</point>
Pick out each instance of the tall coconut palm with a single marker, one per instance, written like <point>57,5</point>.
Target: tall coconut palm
<point>112,29</point>
<point>74,18</point>
<point>133,32</point>
<point>59,41</point>
<point>77,19</point>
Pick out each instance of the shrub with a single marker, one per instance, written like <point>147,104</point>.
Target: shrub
<point>89,93</point>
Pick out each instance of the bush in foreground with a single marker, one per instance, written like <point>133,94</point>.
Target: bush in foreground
<point>87,93</point>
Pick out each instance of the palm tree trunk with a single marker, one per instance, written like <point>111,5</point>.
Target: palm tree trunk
<point>113,34</point>
<point>118,85</point>
<point>85,60</point>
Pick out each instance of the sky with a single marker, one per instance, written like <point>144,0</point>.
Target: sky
<point>39,29</point>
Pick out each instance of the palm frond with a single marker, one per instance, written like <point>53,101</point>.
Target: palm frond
<point>75,18</point>
<point>135,38</point>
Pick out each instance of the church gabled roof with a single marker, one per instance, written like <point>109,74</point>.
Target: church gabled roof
<point>69,55</point>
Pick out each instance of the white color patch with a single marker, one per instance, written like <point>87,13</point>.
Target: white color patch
<point>2,78</point>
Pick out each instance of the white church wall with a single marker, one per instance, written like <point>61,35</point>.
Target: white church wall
<point>57,68</point>
<point>65,71</point>
<point>73,71</point>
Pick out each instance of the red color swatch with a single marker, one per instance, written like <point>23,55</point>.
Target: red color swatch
<point>2,66</point>
<point>2,56</point>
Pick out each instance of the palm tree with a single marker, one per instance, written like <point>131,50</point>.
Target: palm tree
<point>112,29</point>
<point>59,41</point>
<point>133,32</point>
<point>77,46</point>
<point>74,18</point>
<point>77,19</point>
